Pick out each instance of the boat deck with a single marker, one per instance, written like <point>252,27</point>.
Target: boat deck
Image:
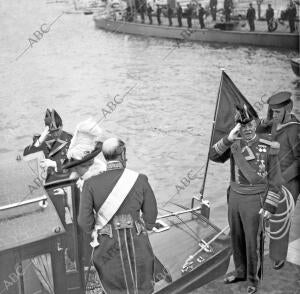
<point>283,281</point>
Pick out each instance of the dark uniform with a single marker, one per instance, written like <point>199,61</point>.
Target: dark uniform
<point>201,13</point>
<point>121,265</point>
<point>149,12</point>
<point>291,13</point>
<point>189,15</point>
<point>213,8</point>
<point>288,135</point>
<point>143,9</point>
<point>269,17</point>
<point>170,15</point>
<point>254,167</point>
<point>179,15</point>
<point>251,18</point>
<point>54,147</point>
<point>227,9</point>
<point>158,13</point>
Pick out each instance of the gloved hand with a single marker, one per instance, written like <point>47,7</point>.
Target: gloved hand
<point>45,163</point>
<point>234,133</point>
<point>265,213</point>
<point>42,137</point>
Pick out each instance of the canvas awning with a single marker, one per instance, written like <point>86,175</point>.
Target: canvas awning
<point>23,217</point>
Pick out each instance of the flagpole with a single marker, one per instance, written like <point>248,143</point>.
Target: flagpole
<point>211,136</point>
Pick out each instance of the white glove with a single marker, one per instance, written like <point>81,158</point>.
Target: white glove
<point>233,135</point>
<point>42,137</point>
<point>265,213</point>
<point>45,163</point>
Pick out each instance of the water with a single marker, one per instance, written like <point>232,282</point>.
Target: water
<point>166,116</point>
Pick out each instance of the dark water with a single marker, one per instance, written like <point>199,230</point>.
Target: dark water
<point>166,115</point>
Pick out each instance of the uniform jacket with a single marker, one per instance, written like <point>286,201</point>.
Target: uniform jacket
<point>118,267</point>
<point>289,154</point>
<point>55,147</point>
<point>263,161</point>
<point>251,13</point>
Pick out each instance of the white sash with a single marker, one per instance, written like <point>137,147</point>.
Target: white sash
<point>116,198</point>
<point>113,202</point>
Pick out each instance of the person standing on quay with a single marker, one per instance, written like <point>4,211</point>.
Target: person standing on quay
<point>269,16</point>
<point>201,13</point>
<point>189,15</point>
<point>227,9</point>
<point>253,193</point>
<point>170,15</point>
<point>285,128</point>
<point>213,8</point>
<point>251,17</point>
<point>149,12</point>
<point>179,14</point>
<point>158,14</point>
<point>291,16</point>
<point>143,10</point>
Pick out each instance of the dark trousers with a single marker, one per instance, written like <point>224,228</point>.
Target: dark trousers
<point>179,21</point>
<point>292,25</point>
<point>189,22</point>
<point>244,221</point>
<point>150,18</point>
<point>269,22</point>
<point>227,16</point>
<point>159,20</point>
<point>143,17</point>
<point>251,25</point>
<point>201,22</point>
<point>213,11</point>
<point>170,21</point>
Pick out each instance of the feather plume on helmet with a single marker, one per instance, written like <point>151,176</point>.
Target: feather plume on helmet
<point>85,146</point>
<point>243,115</point>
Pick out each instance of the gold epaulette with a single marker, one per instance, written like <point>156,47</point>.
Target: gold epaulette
<point>274,145</point>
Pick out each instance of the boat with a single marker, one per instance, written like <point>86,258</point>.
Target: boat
<point>295,63</point>
<point>209,35</point>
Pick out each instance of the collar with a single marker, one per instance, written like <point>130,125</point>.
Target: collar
<point>250,142</point>
<point>114,164</point>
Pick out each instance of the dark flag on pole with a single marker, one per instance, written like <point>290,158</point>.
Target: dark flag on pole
<point>228,97</point>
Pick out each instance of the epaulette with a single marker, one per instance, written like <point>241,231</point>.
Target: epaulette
<point>274,145</point>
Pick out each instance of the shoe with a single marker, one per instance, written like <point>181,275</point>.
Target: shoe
<point>251,289</point>
<point>233,279</point>
<point>278,264</point>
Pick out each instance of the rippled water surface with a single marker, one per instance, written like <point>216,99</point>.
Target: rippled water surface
<point>170,91</point>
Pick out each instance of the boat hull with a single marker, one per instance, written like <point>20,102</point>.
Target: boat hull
<point>261,39</point>
<point>295,63</point>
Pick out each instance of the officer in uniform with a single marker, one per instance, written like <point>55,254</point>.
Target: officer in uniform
<point>284,128</point>
<point>254,189</point>
<point>123,255</point>
<point>54,142</point>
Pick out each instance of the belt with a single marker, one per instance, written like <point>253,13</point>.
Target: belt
<point>248,189</point>
<point>123,221</point>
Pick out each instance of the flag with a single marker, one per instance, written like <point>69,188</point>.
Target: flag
<point>229,96</point>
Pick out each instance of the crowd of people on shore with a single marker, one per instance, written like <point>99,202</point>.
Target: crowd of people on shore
<point>193,11</point>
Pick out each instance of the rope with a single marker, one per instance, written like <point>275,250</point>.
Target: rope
<point>285,217</point>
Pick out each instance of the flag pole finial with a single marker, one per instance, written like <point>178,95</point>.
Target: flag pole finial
<point>222,68</point>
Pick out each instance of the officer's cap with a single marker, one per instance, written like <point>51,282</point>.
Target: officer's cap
<point>279,100</point>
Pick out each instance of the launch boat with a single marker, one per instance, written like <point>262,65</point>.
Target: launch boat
<point>260,39</point>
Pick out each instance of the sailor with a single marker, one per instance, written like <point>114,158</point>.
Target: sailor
<point>291,13</point>
<point>285,128</point>
<point>228,5</point>
<point>254,189</point>
<point>269,17</point>
<point>201,13</point>
<point>158,14</point>
<point>54,142</point>
<point>179,14</point>
<point>149,12</point>
<point>170,15</point>
<point>143,10</point>
<point>251,17</point>
<point>123,257</point>
<point>213,8</point>
<point>189,15</point>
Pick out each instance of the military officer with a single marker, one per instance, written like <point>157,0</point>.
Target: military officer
<point>254,188</point>
<point>54,143</point>
<point>123,255</point>
<point>284,128</point>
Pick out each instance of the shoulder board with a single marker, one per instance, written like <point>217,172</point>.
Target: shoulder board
<point>272,144</point>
